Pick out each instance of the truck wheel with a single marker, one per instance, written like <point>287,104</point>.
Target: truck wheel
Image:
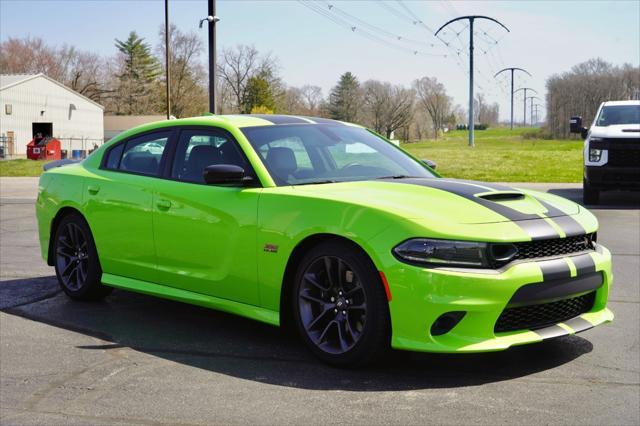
<point>76,260</point>
<point>590,195</point>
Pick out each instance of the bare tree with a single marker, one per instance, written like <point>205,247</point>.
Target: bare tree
<point>312,98</point>
<point>237,65</point>
<point>387,108</point>
<point>581,90</point>
<point>432,97</point>
<point>188,90</point>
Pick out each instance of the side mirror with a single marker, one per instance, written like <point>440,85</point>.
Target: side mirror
<point>430,163</point>
<point>575,126</point>
<point>217,174</point>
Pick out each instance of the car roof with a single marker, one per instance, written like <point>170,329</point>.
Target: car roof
<point>255,120</point>
<point>613,103</point>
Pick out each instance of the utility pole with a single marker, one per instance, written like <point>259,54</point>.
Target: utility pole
<point>471,19</point>
<point>512,69</point>
<point>532,98</point>
<point>166,57</point>
<point>536,106</point>
<point>524,115</point>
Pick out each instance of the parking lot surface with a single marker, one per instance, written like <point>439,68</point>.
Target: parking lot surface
<point>134,359</point>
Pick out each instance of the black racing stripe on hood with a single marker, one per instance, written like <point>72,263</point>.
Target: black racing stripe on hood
<point>569,225</point>
<point>555,269</point>
<point>536,227</point>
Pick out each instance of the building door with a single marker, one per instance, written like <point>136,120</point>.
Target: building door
<point>10,144</point>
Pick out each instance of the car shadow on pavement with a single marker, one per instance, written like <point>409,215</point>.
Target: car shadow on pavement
<point>618,200</point>
<point>246,349</point>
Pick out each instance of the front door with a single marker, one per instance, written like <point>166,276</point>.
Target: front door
<point>119,200</point>
<point>205,235</point>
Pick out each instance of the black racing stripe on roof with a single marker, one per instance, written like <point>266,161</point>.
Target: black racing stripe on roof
<point>536,227</point>
<point>320,120</point>
<point>279,119</point>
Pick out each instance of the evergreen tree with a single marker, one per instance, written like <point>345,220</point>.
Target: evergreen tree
<point>259,95</point>
<point>139,71</point>
<point>345,98</point>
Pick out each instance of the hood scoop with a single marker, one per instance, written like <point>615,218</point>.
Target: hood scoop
<point>501,196</point>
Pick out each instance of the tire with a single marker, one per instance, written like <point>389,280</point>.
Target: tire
<point>590,195</point>
<point>340,307</point>
<point>76,260</point>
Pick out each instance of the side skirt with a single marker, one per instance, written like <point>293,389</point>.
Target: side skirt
<point>253,312</point>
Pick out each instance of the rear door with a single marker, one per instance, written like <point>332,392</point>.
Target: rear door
<point>205,235</point>
<point>119,201</point>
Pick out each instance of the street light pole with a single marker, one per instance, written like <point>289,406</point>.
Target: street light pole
<point>212,56</point>
<point>166,58</point>
<point>512,69</point>
<point>471,19</point>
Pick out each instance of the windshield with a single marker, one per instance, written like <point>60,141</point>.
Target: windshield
<point>619,114</point>
<point>322,153</point>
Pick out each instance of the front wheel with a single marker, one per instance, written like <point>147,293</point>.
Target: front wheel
<point>590,195</point>
<point>76,260</point>
<point>340,305</point>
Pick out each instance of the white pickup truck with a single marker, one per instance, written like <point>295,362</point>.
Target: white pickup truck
<point>611,149</point>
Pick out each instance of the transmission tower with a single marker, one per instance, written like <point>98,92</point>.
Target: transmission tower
<point>512,69</point>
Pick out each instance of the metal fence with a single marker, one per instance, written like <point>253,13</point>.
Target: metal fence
<point>71,147</point>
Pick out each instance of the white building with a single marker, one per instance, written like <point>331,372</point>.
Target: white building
<point>32,104</point>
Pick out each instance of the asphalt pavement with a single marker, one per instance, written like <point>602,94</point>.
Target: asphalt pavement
<point>135,359</point>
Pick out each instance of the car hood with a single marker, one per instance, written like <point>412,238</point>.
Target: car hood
<point>616,131</point>
<point>448,200</point>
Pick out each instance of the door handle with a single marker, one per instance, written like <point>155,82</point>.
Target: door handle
<point>93,189</point>
<point>163,204</point>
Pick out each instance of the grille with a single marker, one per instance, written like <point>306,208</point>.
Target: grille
<point>533,317</point>
<point>624,157</point>
<point>554,247</point>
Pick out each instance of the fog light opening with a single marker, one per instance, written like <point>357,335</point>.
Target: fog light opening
<point>446,322</point>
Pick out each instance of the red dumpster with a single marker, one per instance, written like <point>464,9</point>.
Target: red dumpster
<point>44,148</point>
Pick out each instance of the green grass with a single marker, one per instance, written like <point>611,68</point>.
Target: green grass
<point>21,167</point>
<point>502,155</point>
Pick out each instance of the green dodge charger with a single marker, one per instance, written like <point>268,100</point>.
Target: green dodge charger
<point>324,227</point>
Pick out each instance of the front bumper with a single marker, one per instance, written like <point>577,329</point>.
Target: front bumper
<point>420,296</point>
<point>612,177</point>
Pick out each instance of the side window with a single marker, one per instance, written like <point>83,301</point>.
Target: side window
<point>114,155</point>
<point>139,155</point>
<point>198,149</point>
<point>287,157</point>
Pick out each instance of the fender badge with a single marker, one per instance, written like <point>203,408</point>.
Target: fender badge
<point>271,248</point>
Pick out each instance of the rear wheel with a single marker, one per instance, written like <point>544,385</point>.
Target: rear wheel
<point>340,306</point>
<point>590,195</point>
<point>76,260</point>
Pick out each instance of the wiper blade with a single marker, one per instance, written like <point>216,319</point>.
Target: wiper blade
<point>396,177</point>
<point>317,182</point>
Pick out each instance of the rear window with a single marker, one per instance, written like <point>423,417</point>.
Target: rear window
<point>139,155</point>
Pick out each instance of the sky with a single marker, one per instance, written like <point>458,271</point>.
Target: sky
<point>392,41</point>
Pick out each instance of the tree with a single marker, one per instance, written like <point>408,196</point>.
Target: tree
<point>312,99</point>
<point>485,113</point>
<point>258,94</point>
<point>138,73</point>
<point>188,91</point>
<point>433,98</point>
<point>387,108</point>
<point>345,98</point>
<point>82,71</point>
<point>236,67</point>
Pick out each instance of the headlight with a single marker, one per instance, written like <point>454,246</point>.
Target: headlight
<point>444,252</point>
<point>595,154</point>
